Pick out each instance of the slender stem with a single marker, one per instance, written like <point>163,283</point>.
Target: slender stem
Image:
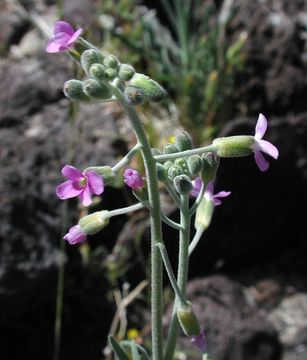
<point>181,154</point>
<point>126,159</point>
<point>172,193</point>
<point>180,297</point>
<point>198,199</point>
<point>156,228</point>
<point>170,222</point>
<point>196,239</point>
<point>182,275</point>
<point>126,210</point>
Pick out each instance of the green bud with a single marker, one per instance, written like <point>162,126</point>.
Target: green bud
<point>211,87</point>
<point>134,95</point>
<point>234,146</point>
<point>188,320</point>
<point>110,73</point>
<point>183,165</point>
<point>82,45</point>
<point>106,172</point>
<point>183,184</point>
<point>170,149</point>
<point>211,162</point>
<point>73,89</point>
<point>96,90</point>
<point>174,171</point>
<point>90,57</point>
<point>156,151</point>
<point>161,172</point>
<point>152,90</point>
<point>194,164</point>
<point>125,72</point>
<point>111,62</point>
<point>204,214</point>
<point>168,164</point>
<point>98,72</point>
<point>93,223</point>
<point>184,141</point>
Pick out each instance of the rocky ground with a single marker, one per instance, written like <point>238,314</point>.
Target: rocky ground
<point>253,298</point>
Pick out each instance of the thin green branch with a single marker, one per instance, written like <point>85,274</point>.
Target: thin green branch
<point>187,153</point>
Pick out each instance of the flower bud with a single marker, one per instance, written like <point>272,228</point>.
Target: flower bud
<point>152,90</point>
<point>184,141</point>
<point>170,149</point>
<point>174,171</point>
<point>82,45</point>
<point>110,73</point>
<point>183,184</point>
<point>134,95</point>
<point>161,172</point>
<point>111,62</point>
<point>73,89</point>
<point>98,72</point>
<point>93,223</point>
<point>106,172</point>
<point>188,321</point>
<point>168,164</point>
<point>96,90</point>
<point>156,152</point>
<point>194,164</point>
<point>125,72</point>
<point>210,164</point>
<point>90,57</point>
<point>183,165</point>
<point>234,146</point>
<point>204,214</point>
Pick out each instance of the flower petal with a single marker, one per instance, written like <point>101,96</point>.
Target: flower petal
<point>57,42</point>
<point>261,127</point>
<point>200,342</point>
<point>95,182</point>
<point>261,162</point>
<point>197,184</point>
<point>72,173</point>
<point>86,197</point>
<point>75,235</point>
<point>216,201</point>
<point>222,194</point>
<point>74,37</point>
<point>209,190</point>
<point>268,148</point>
<point>66,190</point>
<point>63,26</point>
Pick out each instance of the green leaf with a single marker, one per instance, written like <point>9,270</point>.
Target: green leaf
<point>117,349</point>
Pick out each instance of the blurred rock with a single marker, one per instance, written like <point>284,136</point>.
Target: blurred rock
<point>233,328</point>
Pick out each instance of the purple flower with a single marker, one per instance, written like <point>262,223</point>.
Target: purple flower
<point>133,179</point>
<point>75,235</point>
<point>262,145</point>
<point>200,342</point>
<point>215,198</point>
<point>82,184</point>
<point>64,37</point>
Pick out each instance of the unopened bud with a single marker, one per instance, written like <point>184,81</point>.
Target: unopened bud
<point>168,164</point>
<point>161,172</point>
<point>183,184</point>
<point>183,165</point>
<point>111,62</point>
<point>90,57</point>
<point>210,162</point>
<point>174,171</point>
<point>170,149</point>
<point>96,90</point>
<point>194,164</point>
<point>156,151</point>
<point>188,320</point>
<point>98,72</point>
<point>152,90</point>
<point>204,214</point>
<point>110,73</point>
<point>73,89</point>
<point>234,146</point>
<point>134,95</point>
<point>184,141</point>
<point>126,72</point>
<point>93,223</point>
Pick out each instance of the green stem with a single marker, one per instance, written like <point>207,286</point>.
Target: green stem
<point>198,199</point>
<point>125,210</point>
<point>126,159</point>
<point>156,228</point>
<point>196,239</point>
<point>181,154</point>
<point>172,193</point>
<point>182,276</point>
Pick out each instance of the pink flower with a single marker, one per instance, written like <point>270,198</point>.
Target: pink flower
<point>200,342</point>
<point>215,198</point>
<point>82,184</point>
<point>75,235</point>
<point>133,179</point>
<point>64,37</point>
<point>262,145</point>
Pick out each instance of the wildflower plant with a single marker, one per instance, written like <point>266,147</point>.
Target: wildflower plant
<point>187,173</point>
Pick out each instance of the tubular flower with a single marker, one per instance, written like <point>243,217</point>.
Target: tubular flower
<point>75,235</point>
<point>263,146</point>
<point>200,342</point>
<point>64,37</point>
<point>82,184</point>
<point>133,179</point>
<point>215,198</point>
